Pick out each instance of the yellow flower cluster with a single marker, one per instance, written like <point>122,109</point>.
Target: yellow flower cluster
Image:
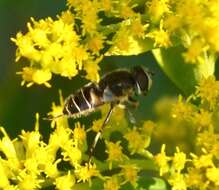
<point>28,162</point>
<point>79,38</point>
<point>194,124</point>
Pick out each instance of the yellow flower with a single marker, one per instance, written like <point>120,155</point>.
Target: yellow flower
<point>208,90</point>
<point>194,52</point>
<point>79,133</point>
<point>130,173</point>
<point>182,110</point>
<point>65,182</point>
<point>148,127</point>
<point>112,183</point>
<point>162,161</point>
<point>156,8</point>
<point>72,153</point>
<point>95,43</point>
<point>121,40</point>
<point>160,36</point>
<point>207,139</point>
<point>137,27</point>
<point>85,173</point>
<point>137,143</point>
<point>202,161</point>
<point>172,23</point>
<point>194,178</point>
<point>67,17</point>
<point>32,75</point>
<point>177,181</point>
<point>27,181</point>
<point>89,16</point>
<point>97,124</point>
<point>4,182</point>
<point>179,160</point>
<point>213,175</point>
<point>92,69</point>
<point>114,151</point>
<point>8,148</point>
<point>203,120</point>
<point>125,10</point>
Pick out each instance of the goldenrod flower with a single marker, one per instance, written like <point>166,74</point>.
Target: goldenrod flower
<point>162,161</point>
<point>65,182</point>
<point>182,110</point>
<point>115,153</point>
<point>27,181</point>
<point>160,36</point>
<point>194,52</point>
<point>85,173</point>
<point>177,181</point>
<point>130,173</point>
<point>208,91</point>
<point>202,161</point>
<point>156,8</point>
<point>79,133</point>
<point>195,178</point>
<point>213,175</point>
<point>137,143</point>
<point>179,160</point>
<point>4,182</point>
<point>112,183</point>
<point>203,119</point>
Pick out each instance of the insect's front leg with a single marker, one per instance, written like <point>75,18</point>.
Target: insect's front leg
<point>100,132</point>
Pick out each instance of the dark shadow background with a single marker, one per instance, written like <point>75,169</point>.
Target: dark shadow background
<point>18,105</point>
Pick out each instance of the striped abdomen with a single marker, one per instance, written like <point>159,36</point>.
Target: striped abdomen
<point>83,101</point>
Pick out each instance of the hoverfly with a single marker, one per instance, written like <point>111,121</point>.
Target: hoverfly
<point>117,87</point>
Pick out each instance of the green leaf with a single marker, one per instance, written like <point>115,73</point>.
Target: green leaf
<point>185,76</point>
<point>152,183</point>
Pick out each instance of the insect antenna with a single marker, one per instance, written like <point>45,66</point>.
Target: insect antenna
<point>100,132</point>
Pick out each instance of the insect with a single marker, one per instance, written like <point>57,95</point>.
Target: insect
<point>117,87</point>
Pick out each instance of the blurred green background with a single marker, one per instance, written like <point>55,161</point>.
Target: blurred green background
<point>18,105</point>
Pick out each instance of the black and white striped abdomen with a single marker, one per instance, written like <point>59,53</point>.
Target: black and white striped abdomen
<point>82,102</point>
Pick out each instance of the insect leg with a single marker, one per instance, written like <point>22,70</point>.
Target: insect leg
<point>100,132</point>
<point>132,119</point>
<point>133,103</point>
